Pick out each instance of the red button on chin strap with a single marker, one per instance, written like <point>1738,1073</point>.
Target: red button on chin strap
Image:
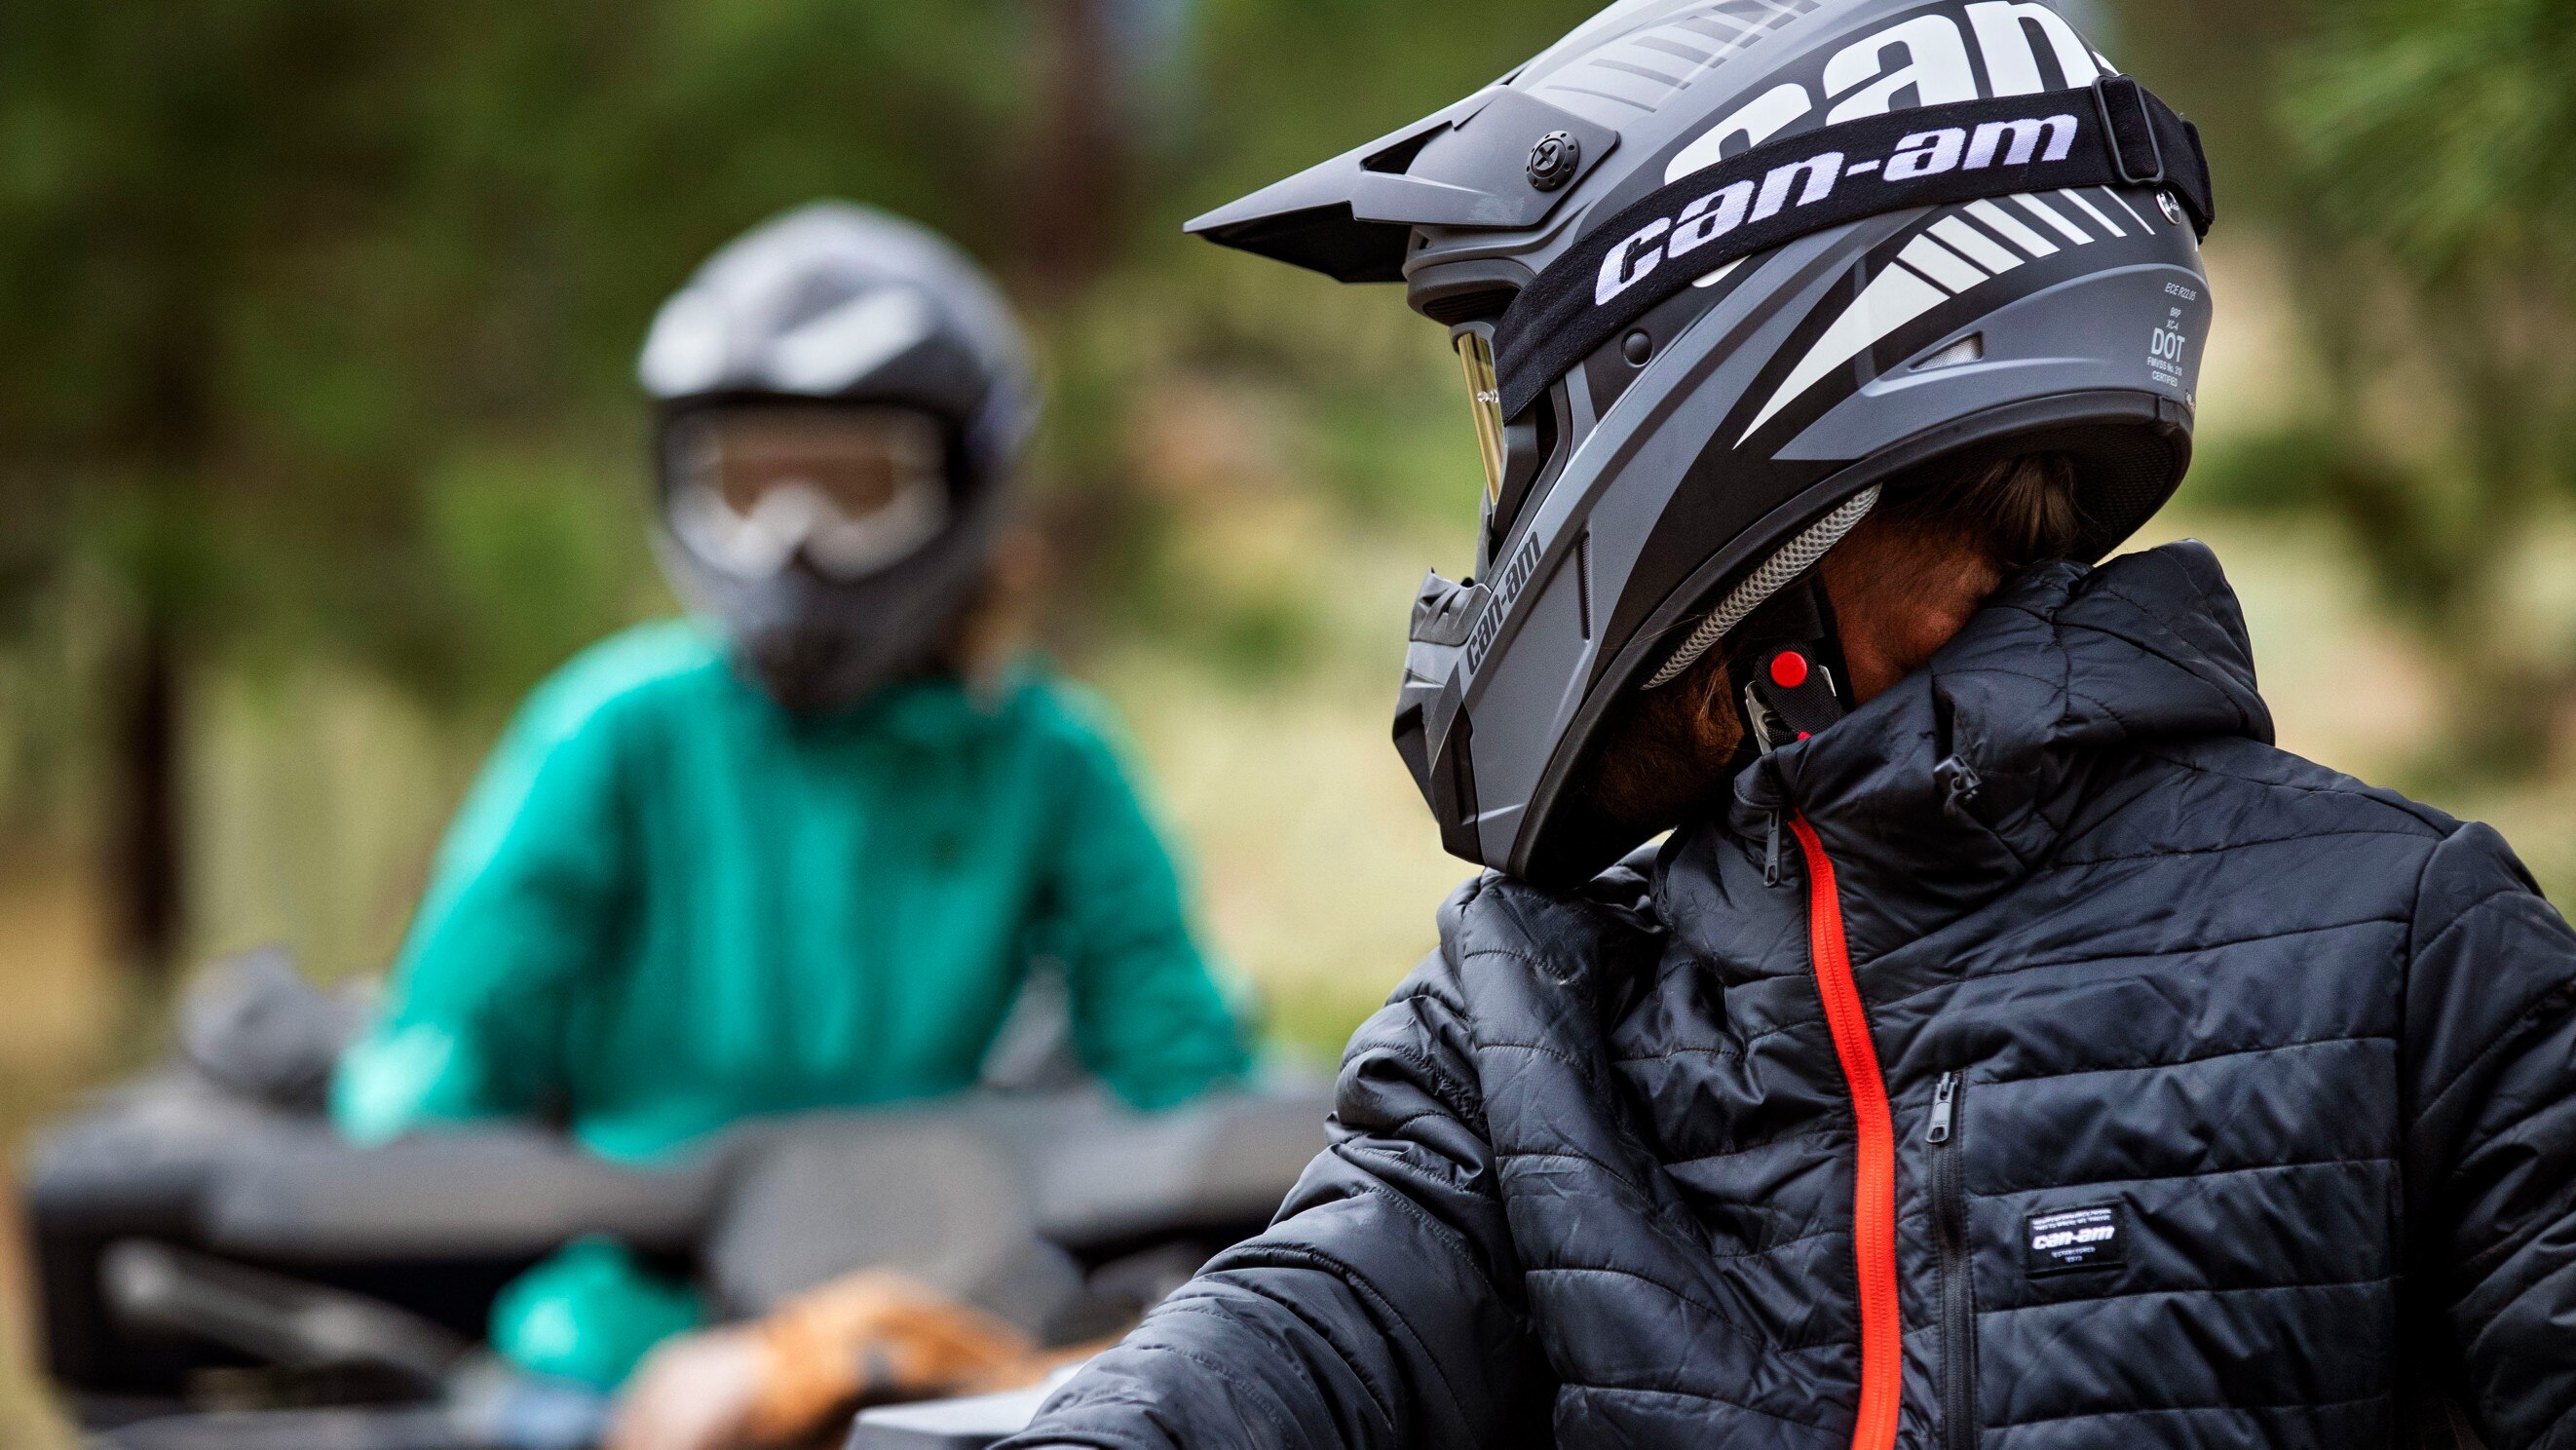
<point>1788,669</point>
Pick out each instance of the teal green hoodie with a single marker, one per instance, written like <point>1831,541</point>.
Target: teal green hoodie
<point>669,905</point>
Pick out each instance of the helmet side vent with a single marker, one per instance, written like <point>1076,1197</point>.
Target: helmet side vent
<point>1397,159</point>
<point>1969,349</point>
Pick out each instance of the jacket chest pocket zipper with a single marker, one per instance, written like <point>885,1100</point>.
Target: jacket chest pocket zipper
<point>1950,1244</point>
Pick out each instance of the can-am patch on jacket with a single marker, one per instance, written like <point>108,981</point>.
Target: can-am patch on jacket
<point>2082,1071</point>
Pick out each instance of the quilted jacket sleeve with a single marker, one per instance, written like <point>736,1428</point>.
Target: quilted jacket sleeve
<point>1381,1309</point>
<point>2490,1056</point>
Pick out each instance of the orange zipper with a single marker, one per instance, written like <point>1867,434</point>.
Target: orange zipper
<point>1874,1192</point>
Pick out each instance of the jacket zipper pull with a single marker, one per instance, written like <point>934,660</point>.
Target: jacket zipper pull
<point>1771,855</point>
<point>1944,1106</point>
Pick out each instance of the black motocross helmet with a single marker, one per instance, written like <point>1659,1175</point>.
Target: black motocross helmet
<point>842,398</point>
<point>1716,270</point>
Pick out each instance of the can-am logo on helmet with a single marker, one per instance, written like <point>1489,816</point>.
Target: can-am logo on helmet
<point>2032,140</point>
<point>1926,57</point>
<point>1507,590</point>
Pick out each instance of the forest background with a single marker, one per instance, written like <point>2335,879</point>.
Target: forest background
<point>319,442</point>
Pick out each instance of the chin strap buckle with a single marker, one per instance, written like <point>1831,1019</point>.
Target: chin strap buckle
<point>1792,696</point>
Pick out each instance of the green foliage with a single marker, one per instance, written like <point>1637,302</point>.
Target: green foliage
<point>317,317</point>
<point>1393,454</point>
<point>533,557</point>
<point>276,268</point>
<point>2420,542</point>
<point>2445,127</point>
<point>2433,208</point>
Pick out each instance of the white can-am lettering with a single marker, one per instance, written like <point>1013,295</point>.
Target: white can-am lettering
<point>1936,66</point>
<point>1709,218</point>
<point>1618,273</point>
<point>1927,153</point>
<point>2003,37</point>
<point>2026,135</point>
<point>1767,116</point>
<point>1821,173</point>
<point>2028,142</point>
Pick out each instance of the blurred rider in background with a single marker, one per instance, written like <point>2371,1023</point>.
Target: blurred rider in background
<point>797,852</point>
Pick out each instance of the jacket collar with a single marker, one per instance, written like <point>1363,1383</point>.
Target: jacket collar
<point>1947,790</point>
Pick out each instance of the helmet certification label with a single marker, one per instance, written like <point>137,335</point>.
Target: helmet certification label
<point>2068,1240</point>
<point>2166,350</point>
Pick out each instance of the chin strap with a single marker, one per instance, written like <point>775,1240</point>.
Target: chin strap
<point>1792,695</point>
<point>1790,660</point>
<point>1790,667</point>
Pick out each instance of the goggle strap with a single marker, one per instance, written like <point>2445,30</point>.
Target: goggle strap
<point>2114,133</point>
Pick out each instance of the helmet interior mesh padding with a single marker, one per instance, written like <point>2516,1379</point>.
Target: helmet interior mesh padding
<point>2126,480</point>
<point>1776,574</point>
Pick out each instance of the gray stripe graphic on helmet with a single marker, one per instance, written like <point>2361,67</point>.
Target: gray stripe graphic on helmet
<point>2012,229</point>
<point>2055,219</point>
<point>1941,264</point>
<point>1897,296</point>
<point>1893,298</point>
<point>2143,224</point>
<point>1731,28</point>
<point>1984,250</point>
<point>2095,212</point>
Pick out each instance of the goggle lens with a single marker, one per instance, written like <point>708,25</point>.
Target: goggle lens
<point>852,490</point>
<point>1485,400</point>
<point>861,459</point>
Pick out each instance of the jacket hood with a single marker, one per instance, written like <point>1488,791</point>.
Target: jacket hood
<point>1943,792</point>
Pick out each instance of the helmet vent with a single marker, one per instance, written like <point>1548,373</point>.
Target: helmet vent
<point>1397,159</point>
<point>1971,348</point>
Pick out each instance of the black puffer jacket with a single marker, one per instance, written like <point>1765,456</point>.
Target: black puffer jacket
<point>2170,1090</point>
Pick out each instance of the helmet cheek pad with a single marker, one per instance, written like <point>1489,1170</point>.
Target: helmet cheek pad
<point>1731,332</point>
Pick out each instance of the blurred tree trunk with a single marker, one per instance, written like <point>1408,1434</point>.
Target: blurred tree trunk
<point>1080,156</point>
<point>172,418</point>
<point>1078,195</point>
<point>148,866</point>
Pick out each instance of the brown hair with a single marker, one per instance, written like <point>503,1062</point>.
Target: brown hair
<point>2017,511</point>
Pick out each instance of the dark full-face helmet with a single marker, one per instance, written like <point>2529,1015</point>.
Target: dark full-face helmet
<point>1715,271</point>
<point>841,401</point>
